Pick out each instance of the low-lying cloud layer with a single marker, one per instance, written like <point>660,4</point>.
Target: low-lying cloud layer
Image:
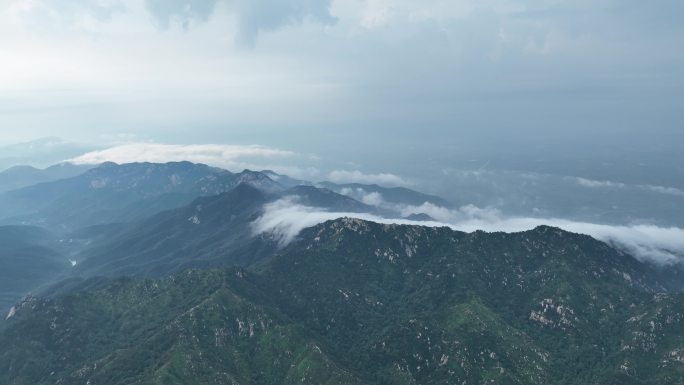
<point>285,218</point>
<point>590,183</point>
<point>356,176</point>
<point>159,153</point>
<point>376,199</point>
<point>232,157</point>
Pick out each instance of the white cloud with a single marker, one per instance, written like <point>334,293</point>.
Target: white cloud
<point>376,13</point>
<point>284,219</point>
<point>356,176</point>
<point>303,173</point>
<point>665,190</point>
<point>645,242</point>
<point>376,199</point>
<point>372,199</point>
<point>598,183</point>
<point>213,154</point>
<point>441,214</point>
<point>617,185</point>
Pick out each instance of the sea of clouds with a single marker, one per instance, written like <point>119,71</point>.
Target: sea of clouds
<point>285,218</point>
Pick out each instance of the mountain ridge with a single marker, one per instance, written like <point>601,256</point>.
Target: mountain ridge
<point>372,304</point>
<point>113,193</point>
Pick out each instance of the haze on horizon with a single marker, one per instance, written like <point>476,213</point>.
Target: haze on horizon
<point>497,102</point>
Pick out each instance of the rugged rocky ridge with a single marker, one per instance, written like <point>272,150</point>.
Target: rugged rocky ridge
<point>211,231</point>
<point>355,302</point>
<point>551,306</point>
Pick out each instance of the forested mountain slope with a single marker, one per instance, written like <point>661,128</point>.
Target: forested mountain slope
<point>355,302</point>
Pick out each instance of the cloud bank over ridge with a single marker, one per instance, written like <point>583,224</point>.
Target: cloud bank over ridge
<point>285,218</point>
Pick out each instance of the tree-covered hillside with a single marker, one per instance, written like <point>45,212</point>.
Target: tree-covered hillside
<point>354,302</point>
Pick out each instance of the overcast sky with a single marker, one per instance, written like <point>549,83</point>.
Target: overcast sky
<point>363,81</point>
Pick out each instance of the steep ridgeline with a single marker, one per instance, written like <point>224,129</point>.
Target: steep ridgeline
<point>329,200</point>
<point>354,302</point>
<point>390,196</point>
<point>393,201</point>
<point>211,231</point>
<point>406,304</point>
<point>285,180</point>
<point>120,193</point>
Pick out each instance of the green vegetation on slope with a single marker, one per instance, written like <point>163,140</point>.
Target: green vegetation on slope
<point>353,302</point>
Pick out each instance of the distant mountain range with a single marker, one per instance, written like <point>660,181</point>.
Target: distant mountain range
<point>120,193</point>
<point>41,153</point>
<point>112,193</point>
<point>147,219</point>
<point>157,274</point>
<point>391,195</point>
<point>212,231</point>
<point>23,176</point>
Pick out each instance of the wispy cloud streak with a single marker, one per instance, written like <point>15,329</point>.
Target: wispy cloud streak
<point>356,176</point>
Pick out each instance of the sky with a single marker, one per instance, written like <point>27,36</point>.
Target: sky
<point>274,72</point>
<point>519,112</point>
<point>396,91</point>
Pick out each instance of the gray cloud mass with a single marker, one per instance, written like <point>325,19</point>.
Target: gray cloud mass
<point>182,11</point>
<point>252,16</point>
<point>552,108</point>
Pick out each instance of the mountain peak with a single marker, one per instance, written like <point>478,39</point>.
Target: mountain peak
<point>107,165</point>
<point>546,229</point>
<point>259,180</point>
<point>20,169</point>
